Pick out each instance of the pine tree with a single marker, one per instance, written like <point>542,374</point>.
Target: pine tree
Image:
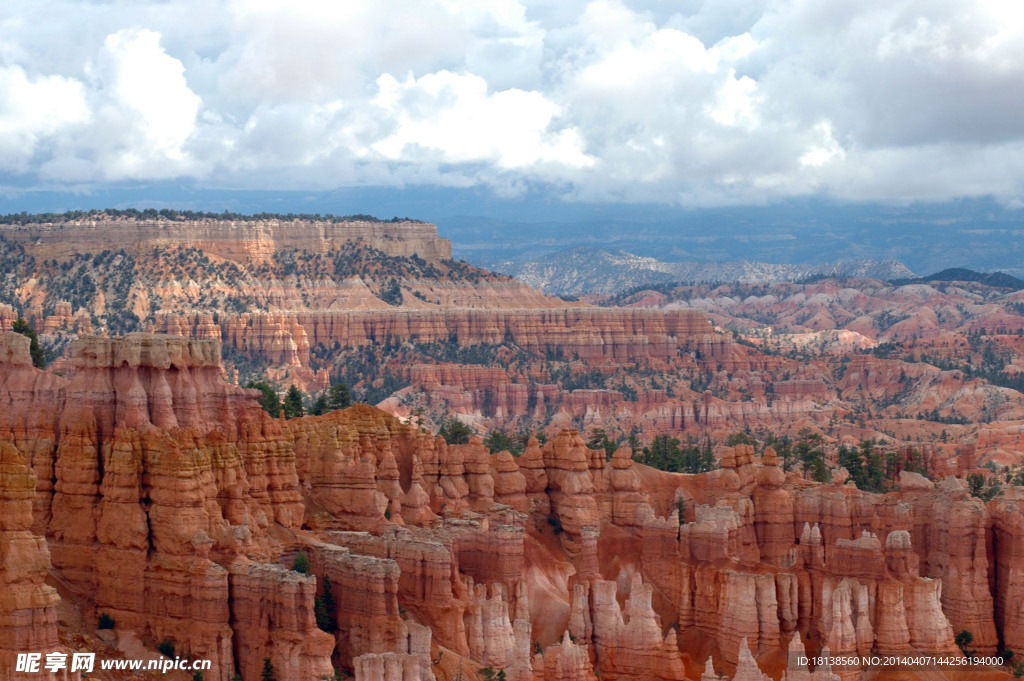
<point>599,440</point>
<point>874,466</point>
<point>293,403</point>
<point>455,432</point>
<point>339,397</point>
<point>707,457</point>
<point>323,622</point>
<point>320,406</point>
<point>269,400</point>
<point>34,348</point>
<point>268,671</point>
<point>329,604</point>
<point>301,564</point>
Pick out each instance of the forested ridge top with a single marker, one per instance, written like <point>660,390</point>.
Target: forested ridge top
<point>172,215</point>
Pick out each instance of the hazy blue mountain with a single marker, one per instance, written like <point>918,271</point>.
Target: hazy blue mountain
<point>586,269</point>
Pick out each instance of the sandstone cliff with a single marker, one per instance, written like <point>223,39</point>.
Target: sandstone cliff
<point>177,506</point>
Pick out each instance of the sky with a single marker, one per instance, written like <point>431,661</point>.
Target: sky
<point>682,102</point>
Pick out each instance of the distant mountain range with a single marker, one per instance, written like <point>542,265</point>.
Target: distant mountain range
<point>587,269</point>
<point>994,279</point>
<point>486,228</point>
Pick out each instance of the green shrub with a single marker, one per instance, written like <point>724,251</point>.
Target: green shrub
<point>455,432</point>
<point>166,648</point>
<point>301,564</point>
<point>106,621</point>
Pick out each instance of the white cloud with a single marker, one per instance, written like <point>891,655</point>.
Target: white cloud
<point>33,110</point>
<point>705,101</point>
<point>455,119</point>
<point>145,90</point>
<point>825,151</point>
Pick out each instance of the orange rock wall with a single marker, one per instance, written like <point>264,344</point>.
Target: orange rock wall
<point>178,505</point>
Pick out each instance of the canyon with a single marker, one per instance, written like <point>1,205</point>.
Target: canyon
<point>382,307</point>
<point>153,506</point>
<point>145,487</point>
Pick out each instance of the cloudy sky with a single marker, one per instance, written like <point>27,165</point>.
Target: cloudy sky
<point>689,102</point>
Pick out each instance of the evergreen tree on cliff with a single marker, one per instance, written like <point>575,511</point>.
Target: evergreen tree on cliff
<point>455,432</point>
<point>339,396</point>
<point>34,348</point>
<point>269,399</point>
<point>268,671</point>
<point>293,403</point>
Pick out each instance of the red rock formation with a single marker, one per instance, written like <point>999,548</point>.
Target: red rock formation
<point>272,616</point>
<point>630,507</point>
<point>366,593</point>
<point>567,662</point>
<point>630,643</point>
<point>30,408</point>
<point>1008,533</point>
<point>488,627</point>
<point>477,467</point>
<point>426,569</point>
<point>176,499</point>
<point>28,607</point>
<point>509,483</point>
<point>411,662</point>
<point>570,486</point>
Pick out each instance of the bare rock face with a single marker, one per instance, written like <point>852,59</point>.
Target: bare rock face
<point>411,662</point>
<point>567,662</point>
<point>716,534</point>
<point>509,483</point>
<point>629,643</point>
<point>272,616</point>
<point>630,507</point>
<point>30,406</point>
<point>532,466</point>
<point>426,569</point>
<point>160,470</point>
<point>570,485</point>
<point>1009,573</point>
<point>366,593</point>
<point>28,607</point>
<point>773,519</point>
<point>746,668</point>
<point>477,466</point>
<point>795,671</point>
<point>249,240</point>
<point>489,628</point>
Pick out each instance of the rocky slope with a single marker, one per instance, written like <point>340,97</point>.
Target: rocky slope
<point>380,306</point>
<point>591,270</point>
<point>147,488</point>
<point>875,309</point>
